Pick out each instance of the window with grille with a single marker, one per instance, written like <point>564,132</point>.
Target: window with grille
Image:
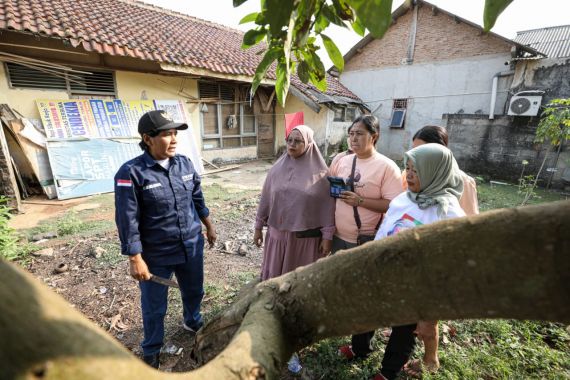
<point>89,82</point>
<point>399,108</point>
<point>344,113</point>
<point>228,120</point>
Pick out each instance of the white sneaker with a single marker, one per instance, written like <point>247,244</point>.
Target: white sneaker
<point>188,328</point>
<point>294,364</point>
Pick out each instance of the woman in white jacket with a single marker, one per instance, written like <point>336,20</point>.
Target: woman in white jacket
<point>435,185</point>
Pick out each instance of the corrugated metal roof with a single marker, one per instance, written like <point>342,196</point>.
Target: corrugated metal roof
<point>553,41</point>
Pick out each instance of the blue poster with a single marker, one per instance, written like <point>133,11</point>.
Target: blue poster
<point>88,167</point>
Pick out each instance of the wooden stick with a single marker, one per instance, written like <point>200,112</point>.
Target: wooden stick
<point>221,170</point>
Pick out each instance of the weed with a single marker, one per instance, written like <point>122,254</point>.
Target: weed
<point>8,238</point>
<point>112,256</point>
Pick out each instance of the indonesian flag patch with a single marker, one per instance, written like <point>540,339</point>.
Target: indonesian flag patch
<point>124,182</point>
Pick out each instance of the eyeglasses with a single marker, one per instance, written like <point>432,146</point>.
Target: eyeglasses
<point>294,142</point>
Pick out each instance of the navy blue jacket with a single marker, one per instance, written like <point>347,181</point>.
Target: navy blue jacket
<point>158,211</point>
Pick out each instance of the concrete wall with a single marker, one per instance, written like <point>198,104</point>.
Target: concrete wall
<point>432,89</point>
<point>498,147</point>
<point>550,75</point>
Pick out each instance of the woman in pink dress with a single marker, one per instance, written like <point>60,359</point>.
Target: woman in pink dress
<point>297,210</point>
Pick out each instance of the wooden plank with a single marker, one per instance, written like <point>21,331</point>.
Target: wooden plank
<point>210,163</point>
<point>231,167</point>
<point>21,182</point>
<point>5,155</point>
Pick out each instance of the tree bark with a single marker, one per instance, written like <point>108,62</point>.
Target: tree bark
<point>510,263</point>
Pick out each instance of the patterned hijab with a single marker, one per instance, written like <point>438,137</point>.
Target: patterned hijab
<point>440,177</point>
<point>295,195</point>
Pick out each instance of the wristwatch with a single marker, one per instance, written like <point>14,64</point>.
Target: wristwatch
<point>360,200</point>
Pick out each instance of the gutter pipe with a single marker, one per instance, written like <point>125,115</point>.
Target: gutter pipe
<point>494,90</point>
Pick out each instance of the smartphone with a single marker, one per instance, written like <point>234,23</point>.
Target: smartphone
<point>338,185</point>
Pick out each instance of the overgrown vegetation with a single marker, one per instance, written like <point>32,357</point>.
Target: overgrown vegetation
<point>553,128</point>
<point>8,238</point>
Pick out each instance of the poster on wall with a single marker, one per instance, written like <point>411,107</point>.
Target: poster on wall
<point>88,140</point>
<point>186,143</point>
<point>88,167</point>
<point>133,111</point>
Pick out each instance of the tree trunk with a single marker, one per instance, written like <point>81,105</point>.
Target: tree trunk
<point>510,263</point>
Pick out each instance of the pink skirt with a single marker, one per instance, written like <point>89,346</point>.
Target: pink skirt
<point>283,252</point>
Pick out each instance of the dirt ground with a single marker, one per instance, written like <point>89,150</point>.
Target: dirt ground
<point>89,272</point>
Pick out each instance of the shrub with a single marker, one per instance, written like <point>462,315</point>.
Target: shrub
<point>8,238</point>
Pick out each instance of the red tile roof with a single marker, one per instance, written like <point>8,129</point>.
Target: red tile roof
<point>134,29</point>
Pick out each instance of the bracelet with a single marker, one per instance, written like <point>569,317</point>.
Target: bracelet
<point>360,200</point>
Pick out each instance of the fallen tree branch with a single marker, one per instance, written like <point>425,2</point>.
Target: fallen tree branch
<point>511,263</point>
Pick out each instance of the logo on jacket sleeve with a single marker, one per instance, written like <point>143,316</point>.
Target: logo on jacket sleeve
<point>124,182</point>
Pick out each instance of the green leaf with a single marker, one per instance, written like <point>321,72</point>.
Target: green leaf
<point>282,83</point>
<point>319,82</point>
<point>303,71</point>
<point>359,27</point>
<point>321,23</point>
<point>265,63</point>
<point>317,63</point>
<point>278,13</point>
<point>252,37</point>
<point>343,10</point>
<point>249,18</point>
<point>493,8</point>
<point>376,15</point>
<point>317,72</point>
<point>333,52</point>
<point>237,3</point>
<point>329,13</point>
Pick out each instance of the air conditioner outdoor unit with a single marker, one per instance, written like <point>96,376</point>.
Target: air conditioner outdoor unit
<point>526,103</point>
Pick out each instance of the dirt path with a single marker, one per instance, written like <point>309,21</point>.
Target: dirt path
<point>88,270</point>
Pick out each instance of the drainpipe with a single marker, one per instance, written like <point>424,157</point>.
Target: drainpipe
<point>494,91</point>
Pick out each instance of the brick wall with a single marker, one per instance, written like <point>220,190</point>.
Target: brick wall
<point>438,38</point>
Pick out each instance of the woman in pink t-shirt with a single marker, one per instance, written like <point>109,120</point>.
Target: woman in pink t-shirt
<point>376,181</point>
<point>438,135</point>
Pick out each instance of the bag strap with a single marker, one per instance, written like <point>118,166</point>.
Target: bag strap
<point>355,208</point>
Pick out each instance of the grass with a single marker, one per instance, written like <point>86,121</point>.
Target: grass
<point>480,349</point>
<point>501,196</point>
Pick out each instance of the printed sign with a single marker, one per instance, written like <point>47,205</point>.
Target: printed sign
<point>87,167</point>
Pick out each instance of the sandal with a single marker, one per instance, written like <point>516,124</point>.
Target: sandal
<point>415,368</point>
<point>346,352</point>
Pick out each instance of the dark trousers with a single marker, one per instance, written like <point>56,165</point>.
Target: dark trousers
<point>154,298</point>
<point>400,346</point>
<point>361,343</point>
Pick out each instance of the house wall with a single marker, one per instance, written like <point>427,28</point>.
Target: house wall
<point>24,100</point>
<point>139,86</point>
<point>552,75</point>
<point>317,121</point>
<point>452,71</point>
<point>498,147</point>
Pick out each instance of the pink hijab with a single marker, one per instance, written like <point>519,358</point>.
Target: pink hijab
<point>295,195</point>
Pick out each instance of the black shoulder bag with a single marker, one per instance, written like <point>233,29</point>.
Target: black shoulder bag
<point>360,238</point>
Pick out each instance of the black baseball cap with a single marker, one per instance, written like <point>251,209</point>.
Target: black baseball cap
<point>158,121</point>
